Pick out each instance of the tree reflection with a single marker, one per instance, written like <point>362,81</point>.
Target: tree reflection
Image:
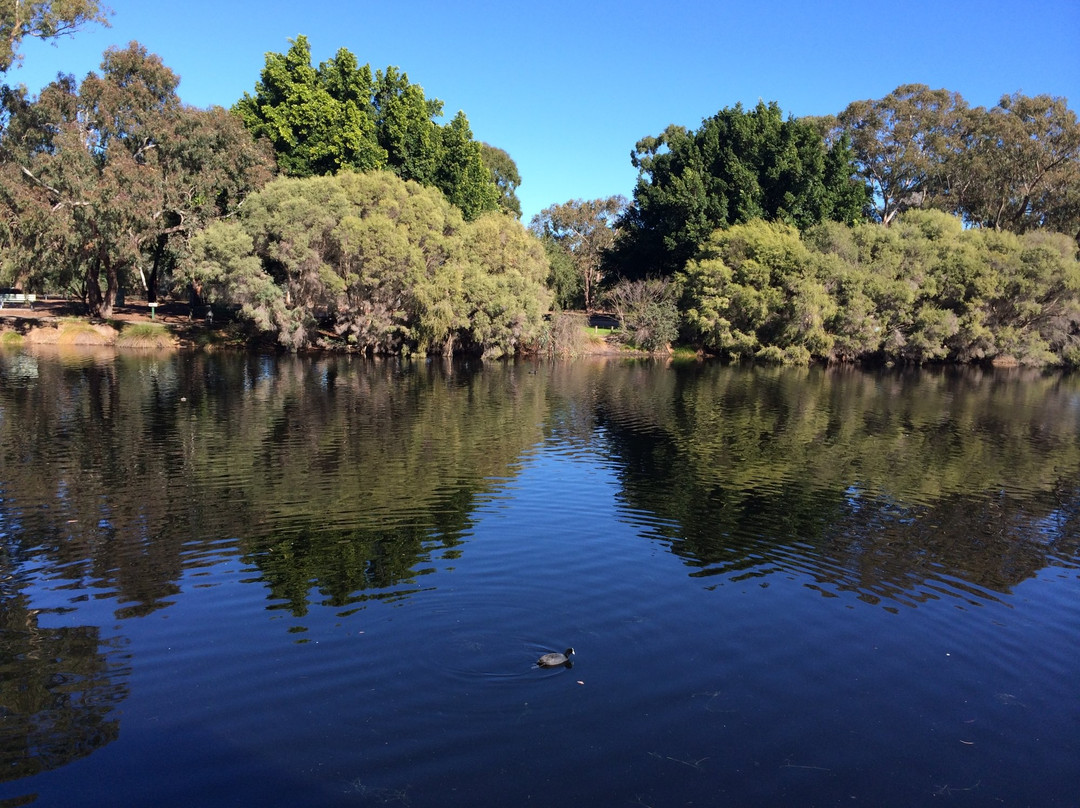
<point>59,689</point>
<point>342,480</point>
<point>339,476</point>
<point>897,486</point>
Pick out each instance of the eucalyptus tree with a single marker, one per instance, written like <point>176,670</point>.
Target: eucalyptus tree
<point>1014,166</point>
<point>1021,166</point>
<point>113,170</point>
<point>43,19</point>
<point>902,144</point>
<point>584,230</point>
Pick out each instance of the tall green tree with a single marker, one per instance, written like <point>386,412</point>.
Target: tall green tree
<point>504,172</point>
<point>1014,166</point>
<point>43,19</point>
<point>584,230</point>
<point>318,121</point>
<point>406,127</point>
<point>341,116</point>
<point>462,174</point>
<point>739,166</point>
<point>902,144</point>
<point>1020,166</point>
<point>115,170</point>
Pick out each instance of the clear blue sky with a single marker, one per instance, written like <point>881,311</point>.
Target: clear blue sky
<point>568,88</point>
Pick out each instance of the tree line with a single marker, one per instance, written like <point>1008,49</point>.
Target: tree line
<point>386,230</point>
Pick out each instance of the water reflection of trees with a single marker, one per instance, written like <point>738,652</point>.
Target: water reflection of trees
<point>335,475</point>
<point>59,688</point>
<point>895,486</point>
<point>342,480</point>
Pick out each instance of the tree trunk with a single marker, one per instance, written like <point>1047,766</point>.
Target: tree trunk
<point>155,270</point>
<point>101,304</point>
<point>93,288</point>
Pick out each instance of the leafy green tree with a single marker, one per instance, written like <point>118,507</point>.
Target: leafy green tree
<point>462,174</point>
<point>43,19</point>
<point>1013,167</point>
<point>739,166</point>
<point>584,230</point>
<point>507,179</point>
<point>753,292</point>
<point>564,281</point>
<point>318,121</point>
<point>339,116</point>
<point>927,289</point>
<point>115,170</point>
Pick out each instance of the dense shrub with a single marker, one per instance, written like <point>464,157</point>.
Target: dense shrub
<point>925,289</point>
<point>377,264</point>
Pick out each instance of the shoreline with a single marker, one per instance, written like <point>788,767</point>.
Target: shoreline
<point>56,322</point>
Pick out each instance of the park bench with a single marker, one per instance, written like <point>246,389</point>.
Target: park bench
<point>16,298</point>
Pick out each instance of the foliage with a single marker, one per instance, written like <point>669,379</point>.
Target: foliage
<point>584,231</point>
<point>462,174</point>
<point>377,264</point>
<point>739,166</point>
<point>341,116</point>
<point>752,292</point>
<point>1019,169</point>
<point>1015,166</point>
<point>901,143</point>
<point>564,281</point>
<point>647,312</point>
<point>114,174</point>
<point>566,334</point>
<point>505,291</point>
<point>43,19</point>
<point>922,290</point>
<point>318,121</point>
<point>504,172</point>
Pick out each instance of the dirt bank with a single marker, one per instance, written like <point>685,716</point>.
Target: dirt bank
<point>56,322</point>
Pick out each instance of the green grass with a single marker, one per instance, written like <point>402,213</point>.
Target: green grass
<point>145,335</point>
<point>684,353</point>
<point>11,339</point>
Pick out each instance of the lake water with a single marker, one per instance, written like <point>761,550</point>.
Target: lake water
<point>239,580</point>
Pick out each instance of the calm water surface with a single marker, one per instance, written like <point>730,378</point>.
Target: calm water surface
<point>232,580</point>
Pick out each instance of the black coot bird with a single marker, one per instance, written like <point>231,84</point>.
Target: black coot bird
<point>554,660</point>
